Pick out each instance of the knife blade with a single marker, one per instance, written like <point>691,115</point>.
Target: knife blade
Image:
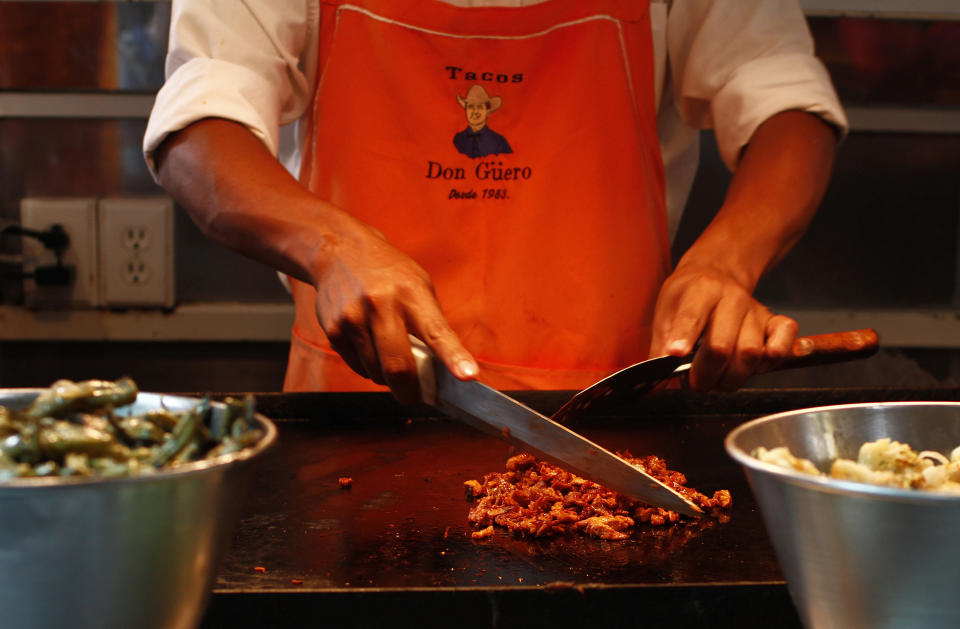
<point>641,378</point>
<point>497,414</point>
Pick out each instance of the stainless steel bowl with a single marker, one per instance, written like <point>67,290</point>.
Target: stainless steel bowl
<point>129,552</point>
<point>857,555</point>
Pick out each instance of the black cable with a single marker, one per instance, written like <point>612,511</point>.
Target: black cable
<point>54,238</point>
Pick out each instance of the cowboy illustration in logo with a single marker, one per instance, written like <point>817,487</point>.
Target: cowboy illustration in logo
<point>478,140</point>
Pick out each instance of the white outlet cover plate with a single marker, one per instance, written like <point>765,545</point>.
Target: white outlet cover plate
<point>78,216</point>
<point>136,251</point>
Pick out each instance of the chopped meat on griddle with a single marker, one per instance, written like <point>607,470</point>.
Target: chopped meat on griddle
<point>605,526</point>
<point>472,489</point>
<point>536,499</point>
<point>487,532</point>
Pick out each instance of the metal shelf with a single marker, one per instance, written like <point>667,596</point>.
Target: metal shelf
<point>249,321</point>
<point>883,9</point>
<point>187,322</point>
<point>75,105</point>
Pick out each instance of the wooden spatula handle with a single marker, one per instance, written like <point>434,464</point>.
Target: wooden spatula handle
<point>823,349</point>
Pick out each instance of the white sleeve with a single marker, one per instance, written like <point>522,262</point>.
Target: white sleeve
<point>735,63</point>
<point>250,61</point>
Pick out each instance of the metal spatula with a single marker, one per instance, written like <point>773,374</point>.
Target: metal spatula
<point>641,378</point>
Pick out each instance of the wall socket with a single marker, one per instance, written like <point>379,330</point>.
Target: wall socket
<point>78,217</point>
<point>136,252</point>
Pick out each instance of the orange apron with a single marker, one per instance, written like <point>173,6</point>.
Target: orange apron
<point>544,231</point>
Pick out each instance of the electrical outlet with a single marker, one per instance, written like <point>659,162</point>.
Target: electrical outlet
<point>136,252</point>
<point>78,217</point>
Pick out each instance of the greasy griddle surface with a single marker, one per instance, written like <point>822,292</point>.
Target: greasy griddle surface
<point>403,524</point>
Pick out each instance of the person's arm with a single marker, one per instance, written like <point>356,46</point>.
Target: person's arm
<point>774,194</point>
<point>370,295</point>
<point>747,70</point>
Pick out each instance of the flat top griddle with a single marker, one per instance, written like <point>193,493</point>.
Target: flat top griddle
<point>398,541</point>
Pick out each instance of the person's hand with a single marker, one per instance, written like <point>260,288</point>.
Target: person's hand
<point>774,193</point>
<point>738,335</point>
<point>370,295</point>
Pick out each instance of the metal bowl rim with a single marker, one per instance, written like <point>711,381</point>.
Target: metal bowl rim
<point>832,485</point>
<point>223,461</point>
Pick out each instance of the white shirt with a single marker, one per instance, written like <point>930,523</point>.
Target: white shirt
<point>725,65</point>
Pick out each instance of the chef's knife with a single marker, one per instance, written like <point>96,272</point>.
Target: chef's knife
<point>493,412</point>
<point>640,378</point>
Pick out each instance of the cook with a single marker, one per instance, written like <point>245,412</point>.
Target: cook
<point>547,281</point>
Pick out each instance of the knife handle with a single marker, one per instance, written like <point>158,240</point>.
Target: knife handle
<point>835,347</point>
<point>426,370</point>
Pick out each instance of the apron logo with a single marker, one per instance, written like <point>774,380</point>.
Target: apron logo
<point>479,140</point>
<point>469,75</point>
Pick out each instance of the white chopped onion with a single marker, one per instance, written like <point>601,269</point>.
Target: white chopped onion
<point>936,456</point>
<point>882,462</point>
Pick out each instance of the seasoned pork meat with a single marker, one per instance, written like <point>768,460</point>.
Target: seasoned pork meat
<point>533,498</point>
